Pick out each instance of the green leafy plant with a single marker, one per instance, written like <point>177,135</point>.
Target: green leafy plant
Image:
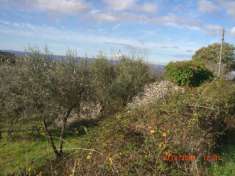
<point>187,73</point>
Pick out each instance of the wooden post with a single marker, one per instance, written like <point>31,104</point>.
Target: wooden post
<point>221,53</point>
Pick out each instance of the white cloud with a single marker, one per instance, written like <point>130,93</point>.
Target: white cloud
<point>116,26</point>
<point>61,6</point>
<point>54,34</point>
<point>178,22</point>
<point>167,20</point>
<point>213,29</point>
<point>232,31</point>
<point>148,7</point>
<point>64,6</point>
<point>133,5</point>
<point>207,6</point>
<point>58,34</point>
<point>229,6</point>
<point>72,6</point>
<point>170,20</point>
<point>231,9</point>
<point>105,17</point>
<point>120,5</point>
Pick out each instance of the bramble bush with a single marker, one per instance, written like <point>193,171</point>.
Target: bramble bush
<point>185,123</point>
<point>187,73</point>
<point>193,122</point>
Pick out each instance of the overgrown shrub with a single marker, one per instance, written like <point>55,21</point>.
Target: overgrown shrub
<point>187,73</point>
<point>218,97</point>
<point>187,123</point>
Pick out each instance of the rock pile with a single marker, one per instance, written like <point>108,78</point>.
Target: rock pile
<point>153,92</point>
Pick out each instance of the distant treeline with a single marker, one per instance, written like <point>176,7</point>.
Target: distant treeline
<point>7,57</point>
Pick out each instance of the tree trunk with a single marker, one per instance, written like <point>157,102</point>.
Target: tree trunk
<point>51,141</point>
<point>64,122</point>
<point>10,133</point>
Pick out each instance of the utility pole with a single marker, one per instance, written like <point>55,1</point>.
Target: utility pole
<point>221,52</point>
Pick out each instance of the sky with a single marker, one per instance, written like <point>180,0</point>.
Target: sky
<point>158,30</point>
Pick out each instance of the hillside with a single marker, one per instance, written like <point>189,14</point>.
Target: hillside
<point>73,117</point>
<point>135,142</point>
<point>131,142</point>
<point>117,87</point>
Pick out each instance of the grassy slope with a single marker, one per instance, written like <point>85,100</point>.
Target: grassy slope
<point>22,154</point>
<point>117,152</point>
<point>30,155</point>
<point>27,154</point>
<point>227,167</point>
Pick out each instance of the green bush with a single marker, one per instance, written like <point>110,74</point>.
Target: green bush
<point>187,73</point>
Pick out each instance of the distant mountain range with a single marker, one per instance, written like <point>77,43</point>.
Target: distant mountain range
<point>24,53</point>
<point>17,53</point>
<point>155,67</point>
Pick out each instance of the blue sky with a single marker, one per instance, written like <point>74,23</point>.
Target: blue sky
<point>159,30</point>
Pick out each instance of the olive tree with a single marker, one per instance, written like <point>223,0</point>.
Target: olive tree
<point>11,94</point>
<point>131,77</point>
<point>69,87</point>
<point>103,75</point>
<point>115,84</point>
<point>48,90</point>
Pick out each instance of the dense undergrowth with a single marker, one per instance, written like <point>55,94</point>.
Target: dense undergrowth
<point>135,142</point>
<point>227,152</point>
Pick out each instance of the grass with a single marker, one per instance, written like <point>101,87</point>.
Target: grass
<point>227,167</point>
<point>29,155</point>
<point>18,155</point>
